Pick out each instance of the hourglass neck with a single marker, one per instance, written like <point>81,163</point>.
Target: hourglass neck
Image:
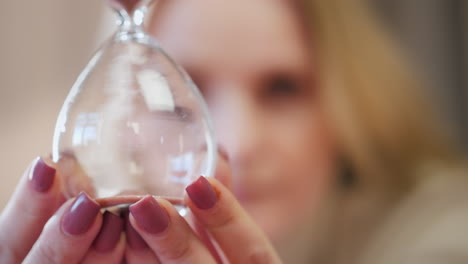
<point>130,13</point>
<point>131,22</point>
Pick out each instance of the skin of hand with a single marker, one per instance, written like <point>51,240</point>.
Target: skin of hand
<point>39,226</point>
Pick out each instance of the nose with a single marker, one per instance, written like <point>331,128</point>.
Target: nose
<point>238,126</point>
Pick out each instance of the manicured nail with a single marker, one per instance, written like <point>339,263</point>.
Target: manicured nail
<point>135,241</point>
<point>80,215</point>
<point>109,234</point>
<point>202,193</point>
<point>150,215</point>
<point>41,176</point>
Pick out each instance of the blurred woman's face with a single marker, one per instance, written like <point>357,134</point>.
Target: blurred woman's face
<point>254,66</point>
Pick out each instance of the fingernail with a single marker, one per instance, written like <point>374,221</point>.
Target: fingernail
<point>135,241</point>
<point>109,234</point>
<point>150,215</point>
<point>42,176</point>
<point>80,215</point>
<point>202,193</point>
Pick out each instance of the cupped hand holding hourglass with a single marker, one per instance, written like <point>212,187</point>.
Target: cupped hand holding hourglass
<point>39,226</point>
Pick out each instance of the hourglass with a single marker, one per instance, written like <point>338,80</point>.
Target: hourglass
<point>133,123</point>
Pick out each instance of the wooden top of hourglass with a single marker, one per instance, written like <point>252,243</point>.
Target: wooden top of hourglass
<point>128,5</point>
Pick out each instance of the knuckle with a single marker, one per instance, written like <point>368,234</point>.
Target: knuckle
<point>178,251</point>
<point>220,219</point>
<point>48,254</point>
<point>260,256</point>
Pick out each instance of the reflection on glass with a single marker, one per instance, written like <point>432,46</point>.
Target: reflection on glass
<point>134,123</point>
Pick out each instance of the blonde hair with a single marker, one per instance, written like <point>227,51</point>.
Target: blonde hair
<point>382,117</point>
<point>381,113</point>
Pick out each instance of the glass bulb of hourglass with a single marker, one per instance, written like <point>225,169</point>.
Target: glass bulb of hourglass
<point>133,123</point>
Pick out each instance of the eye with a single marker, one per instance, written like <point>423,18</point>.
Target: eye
<point>281,85</point>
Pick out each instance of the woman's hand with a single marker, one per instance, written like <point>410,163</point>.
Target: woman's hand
<point>39,226</point>
<point>170,238</point>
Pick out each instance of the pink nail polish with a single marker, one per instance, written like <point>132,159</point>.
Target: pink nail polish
<point>149,215</point>
<point>134,240</point>
<point>202,193</point>
<point>80,215</point>
<point>41,176</point>
<point>109,235</point>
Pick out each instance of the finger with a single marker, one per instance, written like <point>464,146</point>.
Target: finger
<point>218,211</point>
<point>167,233</point>
<point>35,199</point>
<point>137,251</point>
<point>133,256</point>
<point>223,171</point>
<point>204,237</point>
<point>68,234</point>
<point>109,245</point>
<point>75,178</point>
<point>222,174</point>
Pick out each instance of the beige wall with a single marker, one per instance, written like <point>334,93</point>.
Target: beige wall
<point>43,47</point>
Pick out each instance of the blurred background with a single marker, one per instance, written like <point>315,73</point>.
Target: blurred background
<point>45,44</point>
